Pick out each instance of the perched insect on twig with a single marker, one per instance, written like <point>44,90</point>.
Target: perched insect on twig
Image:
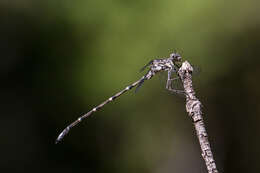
<point>169,64</point>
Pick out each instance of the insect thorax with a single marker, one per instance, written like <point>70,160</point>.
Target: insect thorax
<point>162,65</point>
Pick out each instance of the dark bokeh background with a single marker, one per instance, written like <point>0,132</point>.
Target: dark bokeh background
<point>61,58</point>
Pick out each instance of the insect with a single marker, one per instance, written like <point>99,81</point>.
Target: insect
<point>169,64</point>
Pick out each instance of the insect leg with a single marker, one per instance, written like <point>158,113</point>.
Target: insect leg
<point>170,82</point>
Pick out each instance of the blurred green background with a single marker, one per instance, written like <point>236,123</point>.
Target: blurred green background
<point>59,59</point>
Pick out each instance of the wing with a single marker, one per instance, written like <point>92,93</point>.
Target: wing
<point>139,85</point>
<point>149,63</point>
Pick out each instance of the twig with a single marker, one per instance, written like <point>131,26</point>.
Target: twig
<point>193,107</point>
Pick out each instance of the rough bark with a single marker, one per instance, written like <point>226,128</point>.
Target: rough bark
<point>193,107</point>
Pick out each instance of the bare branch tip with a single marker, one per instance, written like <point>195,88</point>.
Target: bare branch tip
<point>186,66</point>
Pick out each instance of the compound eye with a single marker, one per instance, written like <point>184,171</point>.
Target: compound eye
<point>173,55</point>
<point>178,58</point>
